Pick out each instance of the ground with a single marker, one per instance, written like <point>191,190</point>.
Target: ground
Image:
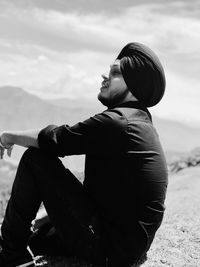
<point>177,242</point>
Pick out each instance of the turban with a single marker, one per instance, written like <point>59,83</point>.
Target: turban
<point>142,73</point>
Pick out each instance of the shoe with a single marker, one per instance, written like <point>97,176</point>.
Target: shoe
<point>45,241</point>
<point>9,258</point>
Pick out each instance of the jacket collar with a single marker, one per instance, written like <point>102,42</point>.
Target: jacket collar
<point>130,104</point>
<point>133,104</point>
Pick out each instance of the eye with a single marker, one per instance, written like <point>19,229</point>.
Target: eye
<point>115,72</point>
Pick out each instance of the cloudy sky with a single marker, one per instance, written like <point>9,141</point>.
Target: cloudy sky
<point>59,48</point>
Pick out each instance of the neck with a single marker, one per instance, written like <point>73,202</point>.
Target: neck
<point>126,98</point>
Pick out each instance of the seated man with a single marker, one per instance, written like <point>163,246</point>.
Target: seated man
<point>111,219</point>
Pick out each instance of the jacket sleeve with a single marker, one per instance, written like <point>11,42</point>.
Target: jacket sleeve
<point>103,133</point>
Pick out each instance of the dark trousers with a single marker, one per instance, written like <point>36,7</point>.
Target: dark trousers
<point>43,178</point>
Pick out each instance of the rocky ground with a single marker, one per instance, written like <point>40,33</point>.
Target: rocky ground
<point>177,242</point>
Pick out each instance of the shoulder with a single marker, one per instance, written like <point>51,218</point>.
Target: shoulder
<point>113,117</point>
<point>108,120</point>
<point>133,114</point>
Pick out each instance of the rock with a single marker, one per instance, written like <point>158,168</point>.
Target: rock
<point>61,262</point>
<point>72,262</point>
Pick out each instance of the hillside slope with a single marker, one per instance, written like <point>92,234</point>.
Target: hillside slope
<point>177,136</point>
<point>21,110</point>
<point>177,242</point>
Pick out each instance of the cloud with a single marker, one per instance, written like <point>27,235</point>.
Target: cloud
<point>51,74</point>
<point>181,99</point>
<point>111,7</point>
<point>149,23</point>
<point>55,30</point>
<point>64,53</point>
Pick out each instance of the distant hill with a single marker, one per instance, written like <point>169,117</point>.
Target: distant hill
<point>176,137</point>
<point>22,110</point>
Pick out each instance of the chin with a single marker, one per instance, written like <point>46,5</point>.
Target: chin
<point>103,100</point>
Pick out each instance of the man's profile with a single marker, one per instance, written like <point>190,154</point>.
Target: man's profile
<point>111,219</point>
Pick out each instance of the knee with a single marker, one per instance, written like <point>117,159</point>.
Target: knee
<point>34,155</point>
<point>31,153</point>
<point>37,156</point>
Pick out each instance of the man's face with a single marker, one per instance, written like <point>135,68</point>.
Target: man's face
<point>114,88</point>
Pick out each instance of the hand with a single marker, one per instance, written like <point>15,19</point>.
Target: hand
<point>41,219</point>
<point>4,145</point>
<point>38,223</point>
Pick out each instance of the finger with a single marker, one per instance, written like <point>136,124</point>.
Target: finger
<point>9,151</point>
<point>38,224</point>
<point>35,225</point>
<point>2,152</point>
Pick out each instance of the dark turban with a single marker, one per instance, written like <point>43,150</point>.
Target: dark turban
<point>143,73</point>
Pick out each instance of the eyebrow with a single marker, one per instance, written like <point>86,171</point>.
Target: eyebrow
<point>115,66</point>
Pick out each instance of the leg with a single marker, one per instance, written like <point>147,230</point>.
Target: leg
<point>41,177</point>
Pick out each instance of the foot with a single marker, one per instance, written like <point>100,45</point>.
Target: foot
<point>9,258</point>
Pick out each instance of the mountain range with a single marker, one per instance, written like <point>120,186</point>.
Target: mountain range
<point>22,110</point>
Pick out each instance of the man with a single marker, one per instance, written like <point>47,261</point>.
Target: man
<point>112,218</point>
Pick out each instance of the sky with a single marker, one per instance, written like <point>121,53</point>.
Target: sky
<point>59,48</point>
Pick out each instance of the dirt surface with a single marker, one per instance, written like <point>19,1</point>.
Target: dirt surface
<point>177,242</point>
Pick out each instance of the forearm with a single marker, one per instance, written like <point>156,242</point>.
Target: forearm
<point>22,138</point>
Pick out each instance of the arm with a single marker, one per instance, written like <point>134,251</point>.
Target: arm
<point>102,134</point>
<point>21,138</point>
